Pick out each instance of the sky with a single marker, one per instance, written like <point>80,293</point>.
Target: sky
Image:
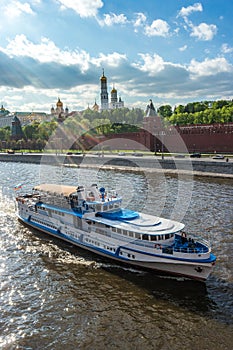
<point>170,51</point>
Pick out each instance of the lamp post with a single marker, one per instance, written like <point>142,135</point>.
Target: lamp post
<point>162,140</point>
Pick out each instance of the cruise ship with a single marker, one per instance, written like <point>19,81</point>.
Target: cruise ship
<point>94,219</point>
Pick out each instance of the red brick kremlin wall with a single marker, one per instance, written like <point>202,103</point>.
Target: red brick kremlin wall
<point>208,138</point>
<point>202,138</point>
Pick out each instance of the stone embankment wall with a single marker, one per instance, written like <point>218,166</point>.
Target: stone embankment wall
<point>186,165</point>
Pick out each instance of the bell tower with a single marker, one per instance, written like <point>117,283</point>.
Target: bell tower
<point>104,92</point>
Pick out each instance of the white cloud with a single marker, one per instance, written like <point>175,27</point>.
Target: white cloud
<point>226,49</point>
<point>183,48</point>
<point>157,28</point>
<point>186,11</point>
<point>209,67</point>
<point>154,64</point>
<point>110,19</point>
<point>84,8</point>
<point>114,59</point>
<point>15,8</point>
<point>46,51</point>
<point>140,20</point>
<point>151,64</point>
<point>204,31</point>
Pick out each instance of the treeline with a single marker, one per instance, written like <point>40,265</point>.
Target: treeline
<point>35,135</point>
<point>105,122</point>
<point>207,112</point>
<point>108,122</point>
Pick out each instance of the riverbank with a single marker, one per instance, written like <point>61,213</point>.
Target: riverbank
<point>168,165</point>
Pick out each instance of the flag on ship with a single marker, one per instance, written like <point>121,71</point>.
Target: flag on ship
<point>18,187</point>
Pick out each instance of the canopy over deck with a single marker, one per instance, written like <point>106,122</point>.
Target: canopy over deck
<point>63,190</point>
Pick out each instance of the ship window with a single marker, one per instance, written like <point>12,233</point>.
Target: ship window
<point>137,235</point>
<point>118,230</point>
<point>131,234</point>
<point>167,236</point>
<point>125,232</point>
<point>145,237</point>
<point>153,238</point>
<point>114,229</point>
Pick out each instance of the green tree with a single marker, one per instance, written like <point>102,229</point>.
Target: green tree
<point>165,111</point>
<point>45,130</point>
<point>102,126</point>
<point>179,109</point>
<point>5,133</point>
<point>31,130</point>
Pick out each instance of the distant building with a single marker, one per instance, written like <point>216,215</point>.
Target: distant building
<point>5,117</point>
<point>3,112</point>
<point>24,117</point>
<point>95,107</point>
<point>16,129</point>
<point>5,121</point>
<point>115,102</point>
<point>29,117</point>
<point>59,112</point>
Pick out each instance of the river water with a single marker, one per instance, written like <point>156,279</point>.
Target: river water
<point>56,296</point>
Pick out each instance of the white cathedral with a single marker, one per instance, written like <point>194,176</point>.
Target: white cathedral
<point>59,111</point>
<point>105,104</point>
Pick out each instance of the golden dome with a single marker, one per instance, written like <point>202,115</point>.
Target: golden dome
<point>103,78</point>
<point>59,103</point>
<point>113,91</point>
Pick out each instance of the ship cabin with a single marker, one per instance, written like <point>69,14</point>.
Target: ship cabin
<point>79,199</point>
<point>94,200</point>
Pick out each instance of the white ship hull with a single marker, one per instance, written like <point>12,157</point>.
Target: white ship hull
<point>123,250</point>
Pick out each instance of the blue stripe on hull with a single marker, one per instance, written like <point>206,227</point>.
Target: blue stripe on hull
<point>69,239</point>
<point>211,259</point>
